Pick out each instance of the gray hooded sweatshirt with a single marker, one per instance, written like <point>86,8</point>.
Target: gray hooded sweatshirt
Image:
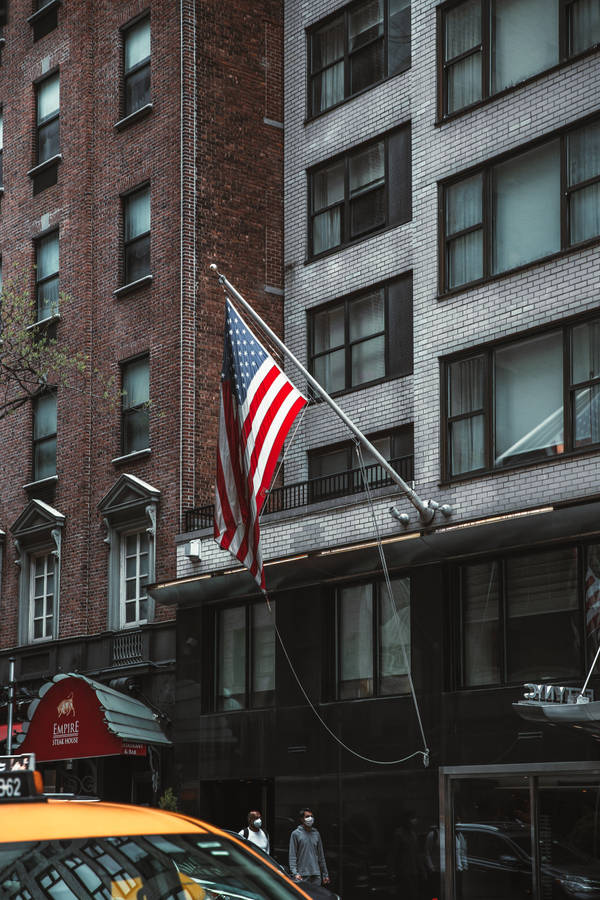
<point>306,853</point>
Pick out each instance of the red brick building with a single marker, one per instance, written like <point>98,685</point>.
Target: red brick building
<point>142,141</point>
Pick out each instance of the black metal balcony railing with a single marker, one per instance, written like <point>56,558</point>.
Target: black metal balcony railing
<point>293,496</point>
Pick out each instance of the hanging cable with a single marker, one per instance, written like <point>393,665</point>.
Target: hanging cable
<point>388,583</point>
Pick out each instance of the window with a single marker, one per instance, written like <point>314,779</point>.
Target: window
<point>41,585</point>
<point>364,338</point>
<point>44,18</point>
<point>129,513</point>
<point>365,43</point>
<point>46,276</point>
<point>522,209</point>
<point>490,45</point>
<point>135,413</point>
<point>38,542</point>
<point>335,471</point>
<point>373,639</point>
<point>136,236</point>
<point>44,436</point>
<point>134,578</point>
<point>521,617</point>
<point>245,656</point>
<point>136,48</point>
<point>361,192</point>
<point>527,400</point>
<point>48,107</point>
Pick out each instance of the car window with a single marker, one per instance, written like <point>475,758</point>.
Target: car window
<point>141,867</point>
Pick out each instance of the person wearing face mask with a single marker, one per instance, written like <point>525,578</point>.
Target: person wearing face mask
<point>255,833</point>
<point>306,856</point>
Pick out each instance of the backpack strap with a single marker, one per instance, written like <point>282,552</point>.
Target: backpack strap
<point>246,832</point>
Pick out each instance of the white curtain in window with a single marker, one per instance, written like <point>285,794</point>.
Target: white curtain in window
<point>526,207</point>
<point>528,397</point>
<point>466,385</point>
<point>328,87</point>
<point>583,163</point>
<point>465,395</point>
<point>524,39</point>
<point>47,256</point>
<point>329,329</point>
<point>263,642</point>
<point>368,360</point>
<point>462,28</point>
<point>136,383</point>
<point>328,55</point>
<point>585,25</point>
<point>232,658</point>
<point>48,97</point>
<point>395,629</point>
<point>137,218</point>
<point>464,82</point>
<point>356,635</point>
<point>367,315</point>
<point>329,370</point>
<point>464,210</point>
<point>137,44</point>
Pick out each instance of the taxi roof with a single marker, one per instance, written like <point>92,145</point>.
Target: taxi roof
<point>56,819</point>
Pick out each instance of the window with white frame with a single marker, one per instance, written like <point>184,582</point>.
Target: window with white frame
<point>38,543</point>
<point>129,510</point>
<point>134,570</point>
<point>41,597</point>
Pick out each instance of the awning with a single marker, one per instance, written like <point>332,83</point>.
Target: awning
<point>76,717</point>
<point>17,728</point>
<point>578,715</point>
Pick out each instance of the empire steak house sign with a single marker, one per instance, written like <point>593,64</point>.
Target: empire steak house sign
<point>69,723</point>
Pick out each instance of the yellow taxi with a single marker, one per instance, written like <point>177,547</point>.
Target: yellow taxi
<point>61,850</point>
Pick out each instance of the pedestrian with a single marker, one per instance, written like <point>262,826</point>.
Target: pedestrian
<point>306,856</point>
<point>254,831</point>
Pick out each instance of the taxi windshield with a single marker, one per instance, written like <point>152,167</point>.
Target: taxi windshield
<point>141,867</point>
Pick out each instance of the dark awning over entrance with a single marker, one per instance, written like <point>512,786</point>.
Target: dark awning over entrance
<point>579,715</point>
<point>76,717</point>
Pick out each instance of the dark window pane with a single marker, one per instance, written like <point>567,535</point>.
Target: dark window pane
<point>136,431</point>
<point>400,326</point>
<point>365,24</point>
<point>45,459</point>
<point>587,416</point>
<point>399,171</point>
<point>583,163</point>
<point>366,66</point>
<point>592,598</point>
<point>136,383</point>
<point>367,212</point>
<point>368,360</point>
<point>584,25</point>
<point>137,259</point>
<point>48,141</point>
<point>528,398</point>
<point>398,36</point>
<point>137,44</point>
<point>465,259</point>
<point>329,370</point>
<point>464,204</point>
<point>585,354</point>
<point>543,616</point>
<point>44,421</point>
<point>328,329</point>
<point>480,599</point>
<point>137,90</point>
<point>137,214</point>
<point>328,186</point>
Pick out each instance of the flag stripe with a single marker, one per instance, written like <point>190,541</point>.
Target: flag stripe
<point>258,407</point>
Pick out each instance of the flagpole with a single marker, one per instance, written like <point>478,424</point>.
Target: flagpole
<point>427,509</point>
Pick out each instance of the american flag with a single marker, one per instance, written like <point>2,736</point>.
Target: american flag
<point>258,407</point>
<point>592,604</point>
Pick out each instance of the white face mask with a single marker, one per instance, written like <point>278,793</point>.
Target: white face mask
<point>257,823</point>
<point>309,820</point>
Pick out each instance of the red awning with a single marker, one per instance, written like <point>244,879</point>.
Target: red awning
<point>77,717</point>
<point>17,729</point>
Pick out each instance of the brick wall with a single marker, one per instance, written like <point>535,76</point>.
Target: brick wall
<point>216,189</point>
